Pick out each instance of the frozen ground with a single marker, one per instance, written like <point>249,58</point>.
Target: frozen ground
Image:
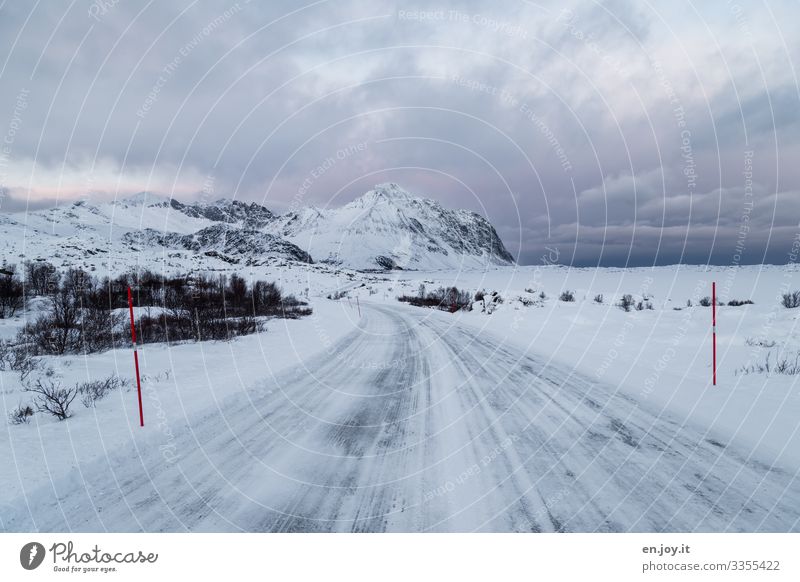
<point>539,417</point>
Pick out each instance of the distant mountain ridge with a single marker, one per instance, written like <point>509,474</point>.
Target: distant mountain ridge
<point>251,215</point>
<point>386,228</point>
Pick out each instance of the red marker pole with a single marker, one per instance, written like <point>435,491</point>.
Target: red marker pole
<point>714,330</point>
<point>136,358</point>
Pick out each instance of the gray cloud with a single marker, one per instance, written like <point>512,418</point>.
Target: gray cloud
<point>567,125</point>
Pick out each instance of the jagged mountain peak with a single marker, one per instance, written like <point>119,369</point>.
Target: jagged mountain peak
<point>249,214</point>
<point>391,195</point>
<point>388,227</point>
<point>385,192</point>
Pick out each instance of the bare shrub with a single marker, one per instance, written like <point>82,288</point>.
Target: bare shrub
<point>761,343</point>
<point>626,303</point>
<point>41,278</point>
<point>783,365</point>
<point>739,302</point>
<point>21,415</point>
<point>96,390</point>
<point>755,368</point>
<point>58,331</point>
<point>21,361</point>
<point>567,296</point>
<point>5,354</point>
<point>11,292</point>
<point>598,298</point>
<point>51,397</point>
<point>705,301</point>
<point>791,300</point>
<point>788,367</point>
<point>98,327</point>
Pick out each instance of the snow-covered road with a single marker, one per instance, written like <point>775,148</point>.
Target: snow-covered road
<point>414,423</point>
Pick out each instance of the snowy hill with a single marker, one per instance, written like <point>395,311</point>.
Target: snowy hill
<point>143,229</point>
<point>111,219</point>
<point>389,228</point>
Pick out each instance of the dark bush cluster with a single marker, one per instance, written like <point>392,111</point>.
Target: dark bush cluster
<point>336,295</point>
<point>85,315</point>
<point>41,278</point>
<point>21,415</point>
<point>11,292</point>
<point>626,303</point>
<point>203,308</point>
<point>490,301</point>
<point>706,302</point>
<point>567,296</point>
<point>739,302</point>
<point>445,299</point>
<point>791,300</point>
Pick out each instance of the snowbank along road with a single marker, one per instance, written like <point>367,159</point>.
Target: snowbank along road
<point>414,423</point>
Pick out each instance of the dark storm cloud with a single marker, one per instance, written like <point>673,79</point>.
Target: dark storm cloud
<point>612,131</point>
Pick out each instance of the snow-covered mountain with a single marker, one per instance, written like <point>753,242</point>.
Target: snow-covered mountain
<point>389,228</point>
<point>146,228</point>
<point>385,228</point>
<point>252,215</point>
<point>232,245</point>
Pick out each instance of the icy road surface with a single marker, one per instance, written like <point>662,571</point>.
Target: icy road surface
<point>413,423</point>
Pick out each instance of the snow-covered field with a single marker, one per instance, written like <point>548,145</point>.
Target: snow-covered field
<point>528,414</point>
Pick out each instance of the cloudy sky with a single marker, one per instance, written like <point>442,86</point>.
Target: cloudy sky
<point>615,132</point>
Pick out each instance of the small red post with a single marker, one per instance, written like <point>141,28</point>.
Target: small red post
<point>714,330</point>
<point>136,358</point>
